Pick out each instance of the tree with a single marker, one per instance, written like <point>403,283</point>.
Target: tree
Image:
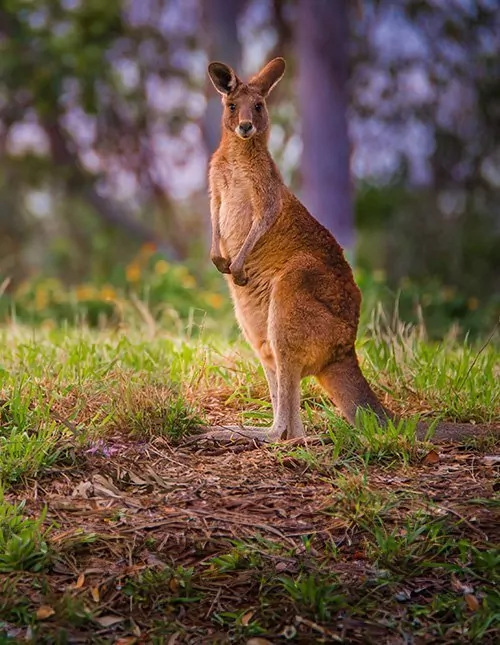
<point>322,33</point>
<point>221,20</point>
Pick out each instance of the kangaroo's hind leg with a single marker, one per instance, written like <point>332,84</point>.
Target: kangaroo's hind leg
<point>287,422</point>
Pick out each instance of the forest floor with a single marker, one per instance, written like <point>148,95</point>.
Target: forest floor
<point>118,525</point>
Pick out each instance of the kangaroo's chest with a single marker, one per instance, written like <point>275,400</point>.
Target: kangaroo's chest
<point>235,217</point>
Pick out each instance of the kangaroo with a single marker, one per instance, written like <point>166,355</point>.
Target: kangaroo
<point>294,293</point>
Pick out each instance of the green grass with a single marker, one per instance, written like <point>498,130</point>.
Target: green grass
<point>457,379</point>
<point>23,541</point>
<point>356,538</point>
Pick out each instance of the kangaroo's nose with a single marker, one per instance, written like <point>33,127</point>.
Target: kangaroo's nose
<point>246,126</point>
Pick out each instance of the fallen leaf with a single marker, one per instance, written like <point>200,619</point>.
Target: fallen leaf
<point>80,581</point>
<point>104,487</point>
<point>137,630</point>
<point>472,602</point>
<point>44,612</point>
<point>173,585</point>
<point>154,561</point>
<point>129,640</point>
<point>173,639</point>
<point>108,621</point>
<point>281,566</point>
<point>259,641</point>
<point>94,592</point>
<point>83,490</point>
<point>135,479</point>
<point>246,618</point>
<point>458,586</point>
<point>431,458</point>
<point>491,460</point>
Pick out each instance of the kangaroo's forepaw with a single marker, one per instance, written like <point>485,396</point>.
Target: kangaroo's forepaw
<point>240,277</point>
<point>221,264</point>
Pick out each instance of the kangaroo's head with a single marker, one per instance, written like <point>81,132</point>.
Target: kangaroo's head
<point>245,111</point>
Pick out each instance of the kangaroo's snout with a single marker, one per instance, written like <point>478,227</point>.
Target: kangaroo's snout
<point>245,129</point>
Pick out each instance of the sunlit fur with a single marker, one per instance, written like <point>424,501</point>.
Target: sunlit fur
<point>245,105</point>
<point>293,291</point>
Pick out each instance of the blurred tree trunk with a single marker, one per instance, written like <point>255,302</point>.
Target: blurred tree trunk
<point>221,18</point>
<point>322,37</point>
<point>80,183</point>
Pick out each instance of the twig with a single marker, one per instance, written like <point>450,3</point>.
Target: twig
<point>317,628</point>
<point>477,530</point>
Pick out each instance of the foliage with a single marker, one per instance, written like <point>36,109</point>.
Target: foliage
<point>102,113</point>
<point>23,541</point>
<point>156,291</point>
<point>148,287</point>
<point>438,306</point>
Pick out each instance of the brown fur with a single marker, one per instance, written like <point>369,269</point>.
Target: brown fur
<point>294,293</point>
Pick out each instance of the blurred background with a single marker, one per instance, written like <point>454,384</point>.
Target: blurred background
<point>387,125</point>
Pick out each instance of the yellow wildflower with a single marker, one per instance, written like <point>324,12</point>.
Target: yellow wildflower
<point>188,282</point>
<point>147,249</point>
<point>84,292</point>
<point>107,292</point>
<point>161,267</point>
<point>133,272</point>
<point>473,303</point>
<point>215,300</point>
<point>48,324</point>
<point>23,289</point>
<point>448,293</point>
<point>41,298</point>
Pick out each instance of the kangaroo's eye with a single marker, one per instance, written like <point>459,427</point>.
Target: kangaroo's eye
<point>258,107</point>
<point>232,107</point>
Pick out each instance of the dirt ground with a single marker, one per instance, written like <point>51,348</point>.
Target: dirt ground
<point>196,543</point>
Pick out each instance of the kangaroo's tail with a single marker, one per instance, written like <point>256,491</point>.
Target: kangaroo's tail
<point>350,391</point>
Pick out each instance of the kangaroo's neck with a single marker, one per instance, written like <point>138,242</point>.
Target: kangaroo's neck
<point>253,151</point>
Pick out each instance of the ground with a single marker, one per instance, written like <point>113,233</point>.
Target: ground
<point>118,525</point>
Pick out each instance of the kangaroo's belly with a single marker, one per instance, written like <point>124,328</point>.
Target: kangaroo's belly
<point>235,220</point>
<point>251,307</point>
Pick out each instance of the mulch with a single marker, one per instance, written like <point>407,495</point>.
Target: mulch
<point>148,504</point>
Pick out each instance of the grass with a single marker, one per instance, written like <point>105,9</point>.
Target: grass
<point>23,541</point>
<point>115,530</point>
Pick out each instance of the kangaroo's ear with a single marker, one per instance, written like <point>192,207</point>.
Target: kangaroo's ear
<point>223,77</point>
<point>269,77</point>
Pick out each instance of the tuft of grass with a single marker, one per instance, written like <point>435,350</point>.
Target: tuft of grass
<point>157,411</point>
<point>242,556</point>
<point>423,540</point>
<point>393,443</point>
<point>154,589</point>
<point>23,541</point>
<point>308,459</point>
<point>358,502</point>
<point>460,379</point>
<point>31,441</point>
<point>316,596</point>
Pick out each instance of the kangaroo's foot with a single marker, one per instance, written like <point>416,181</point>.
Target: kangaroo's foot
<point>281,431</point>
<point>253,434</point>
